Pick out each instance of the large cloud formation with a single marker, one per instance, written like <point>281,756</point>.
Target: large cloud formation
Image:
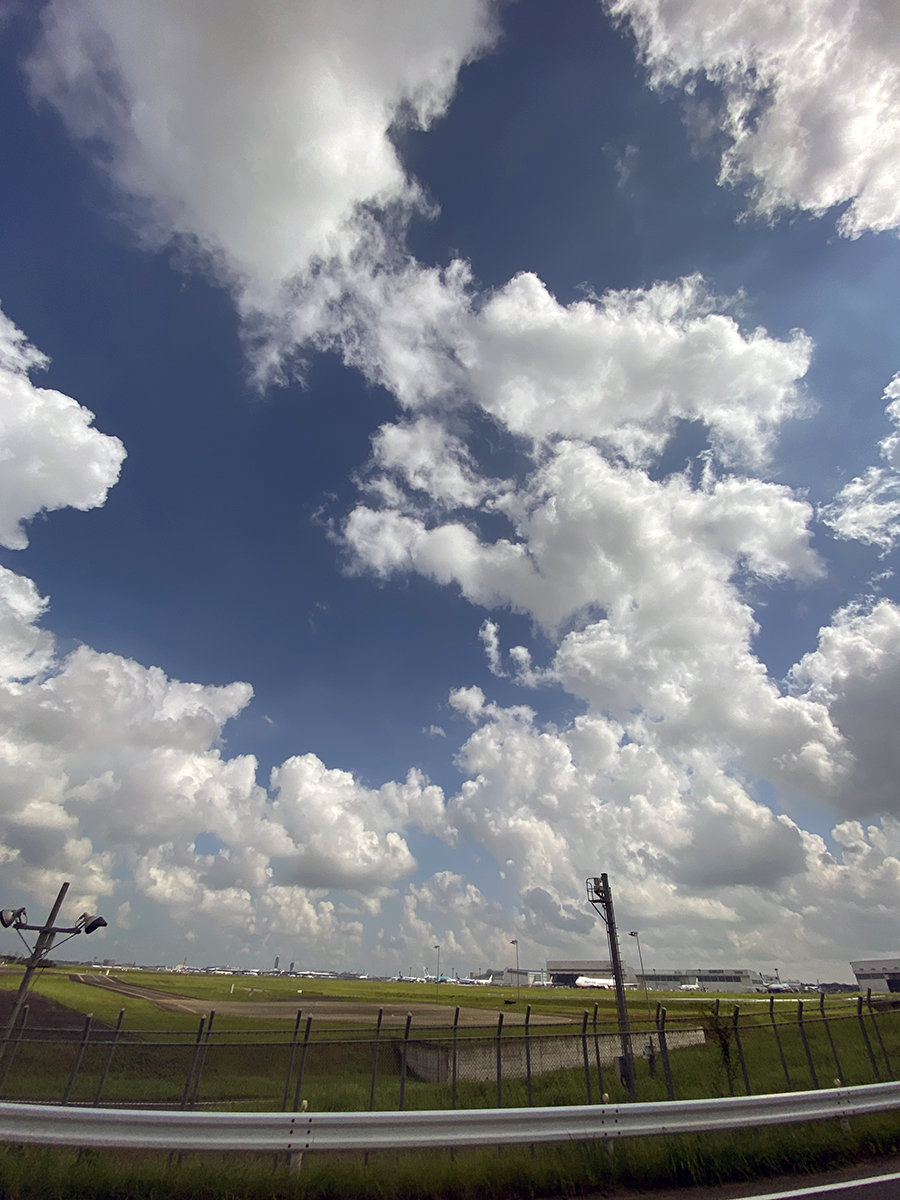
<point>810,96</point>
<point>52,456</point>
<point>275,177</point>
<point>644,577</point>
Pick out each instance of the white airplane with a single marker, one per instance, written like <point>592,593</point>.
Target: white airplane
<point>588,981</point>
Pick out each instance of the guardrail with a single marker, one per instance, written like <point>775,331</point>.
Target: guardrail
<point>296,1133</point>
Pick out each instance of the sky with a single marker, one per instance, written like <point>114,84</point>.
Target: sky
<point>449,451</point>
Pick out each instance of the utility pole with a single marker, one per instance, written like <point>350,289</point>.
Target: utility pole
<point>599,896</point>
<point>16,918</point>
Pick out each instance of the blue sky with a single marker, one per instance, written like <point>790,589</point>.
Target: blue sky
<point>485,475</point>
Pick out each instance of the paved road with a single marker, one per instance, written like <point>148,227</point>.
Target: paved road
<point>879,1180</point>
<point>873,1187</point>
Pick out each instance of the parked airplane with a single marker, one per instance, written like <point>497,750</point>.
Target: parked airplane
<point>588,981</point>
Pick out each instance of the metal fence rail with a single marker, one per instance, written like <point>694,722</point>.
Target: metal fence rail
<point>722,1050</point>
<point>296,1133</point>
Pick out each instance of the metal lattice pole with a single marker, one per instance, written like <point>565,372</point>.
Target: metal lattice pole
<point>599,896</point>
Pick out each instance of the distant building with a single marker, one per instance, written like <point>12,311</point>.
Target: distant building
<point>564,972</point>
<point>521,977</point>
<point>879,974</point>
<point>709,979</point>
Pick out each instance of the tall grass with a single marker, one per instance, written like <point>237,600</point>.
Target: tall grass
<point>567,1170</point>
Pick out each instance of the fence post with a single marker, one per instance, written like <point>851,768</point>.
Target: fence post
<point>597,1053</point>
<point>740,1048</point>
<point>403,1056</point>
<point>499,1061</point>
<point>375,1050</point>
<point>290,1067</point>
<point>201,1061</point>
<point>374,1070</point>
<point>307,1028</point>
<point>865,1033</point>
<point>664,1050</point>
<point>805,1040</point>
<point>109,1056</point>
<point>887,1061</point>
<point>185,1095</point>
<point>79,1055</point>
<point>527,1053</point>
<point>587,1061</point>
<point>12,1042</point>
<point>784,1065</point>
<point>827,1023</point>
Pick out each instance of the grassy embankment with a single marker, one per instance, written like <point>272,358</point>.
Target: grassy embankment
<point>338,1073</point>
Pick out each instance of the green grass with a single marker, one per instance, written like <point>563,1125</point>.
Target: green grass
<point>246,1069</point>
<point>246,1061</point>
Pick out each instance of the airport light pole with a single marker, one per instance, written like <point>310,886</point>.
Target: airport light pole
<point>17,918</point>
<point>637,937</point>
<point>515,942</point>
<point>599,895</point>
<point>437,978</point>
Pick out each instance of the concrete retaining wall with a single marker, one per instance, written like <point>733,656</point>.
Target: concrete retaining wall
<point>476,1058</point>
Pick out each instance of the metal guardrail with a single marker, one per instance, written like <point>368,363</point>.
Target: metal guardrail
<point>295,1133</point>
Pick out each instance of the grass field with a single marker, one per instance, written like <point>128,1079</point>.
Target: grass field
<point>249,1064</point>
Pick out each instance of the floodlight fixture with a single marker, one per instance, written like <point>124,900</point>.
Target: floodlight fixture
<point>17,918</point>
<point>636,935</point>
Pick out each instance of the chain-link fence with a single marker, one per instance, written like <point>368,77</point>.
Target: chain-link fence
<point>726,1049</point>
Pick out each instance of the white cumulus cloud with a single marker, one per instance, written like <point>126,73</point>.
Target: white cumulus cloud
<point>811,96</point>
<point>867,509</point>
<point>271,178</point>
<point>50,455</point>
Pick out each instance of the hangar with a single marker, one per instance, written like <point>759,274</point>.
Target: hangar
<point>564,972</point>
<point>879,974</point>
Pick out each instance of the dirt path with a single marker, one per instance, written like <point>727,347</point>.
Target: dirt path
<point>324,1007</point>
